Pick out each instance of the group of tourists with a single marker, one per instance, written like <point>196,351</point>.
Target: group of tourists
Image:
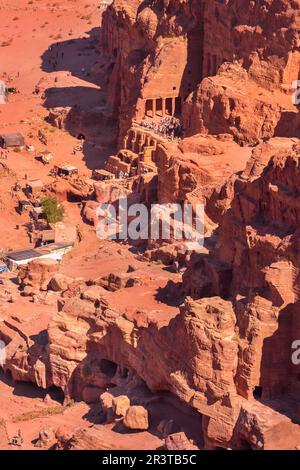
<point>168,127</point>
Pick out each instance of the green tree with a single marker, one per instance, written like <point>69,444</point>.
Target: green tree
<point>52,211</point>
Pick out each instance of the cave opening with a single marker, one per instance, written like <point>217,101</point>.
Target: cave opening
<point>169,109</point>
<point>73,198</point>
<point>149,108</point>
<point>178,106</point>
<point>257,392</point>
<point>30,389</point>
<point>159,107</point>
<point>108,368</point>
<point>56,394</point>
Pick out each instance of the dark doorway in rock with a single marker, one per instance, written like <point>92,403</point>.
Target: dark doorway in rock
<point>169,107</point>
<point>257,392</point>
<point>108,368</point>
<point>149,108</point>
<point>159,107</point>
<point>56,394</point>
<point>178,106</point>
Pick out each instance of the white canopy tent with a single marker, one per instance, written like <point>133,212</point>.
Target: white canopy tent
<point>2,92</point>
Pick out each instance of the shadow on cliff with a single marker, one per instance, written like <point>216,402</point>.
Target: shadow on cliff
<point>279,377</point>
<point>76,55</point>
<point>85,121</point>
<point>72,96</point>
<point>288,125</point>
<point>171,294</point>
<point>163,407</point>
<point>193,72</point>
<point>31,390</point>
<point>85,106</point>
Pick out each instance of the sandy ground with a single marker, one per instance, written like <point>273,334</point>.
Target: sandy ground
<point>21,402</point>
<point>34,35</point>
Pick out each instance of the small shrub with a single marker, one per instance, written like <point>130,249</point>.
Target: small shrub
<point>52,211</point>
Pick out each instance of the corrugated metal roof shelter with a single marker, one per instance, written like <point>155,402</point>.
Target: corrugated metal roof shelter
<point>12,140</point>
<point>24,254</point>
<point>53,251</point>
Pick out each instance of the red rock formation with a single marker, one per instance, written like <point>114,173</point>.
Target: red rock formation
<point>224,68</point>
<point>233,103</point>
<point>72,189</point>
<point>179,441</point>
<point>160,53</point>
<point>257,250</point>
<point>37,275</point>
<point>136,418</point>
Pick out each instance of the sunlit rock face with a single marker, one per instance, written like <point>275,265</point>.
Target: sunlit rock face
<point>223,354</point>
<point>161,51</point>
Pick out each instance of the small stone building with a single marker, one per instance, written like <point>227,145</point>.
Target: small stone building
<point>12,140</point>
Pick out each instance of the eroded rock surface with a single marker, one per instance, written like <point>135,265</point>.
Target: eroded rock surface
<point>189,350</point>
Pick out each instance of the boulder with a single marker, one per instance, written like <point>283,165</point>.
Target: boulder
<point>136,418</point>
<point>179,441</point>
<point>46,436</point>
<point>36,275</point>
<point>60,282</point>
<point>106,402</point>
<point>93,293</point>
<point>121,405</point>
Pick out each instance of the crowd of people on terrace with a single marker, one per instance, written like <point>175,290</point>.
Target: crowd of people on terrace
<point>168,127</point>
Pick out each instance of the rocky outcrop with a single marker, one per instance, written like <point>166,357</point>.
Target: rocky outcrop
<point>71,190</point>
<point>87,439</point>
<point>225,354</point>
<point>165,50</point>
<point>179,441</point>
<point>136,418</point>
<point>60,282</point>
<point>37,275</point>
<point>196,171</point>
<point>256,256</point>
<point>233,103</point>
